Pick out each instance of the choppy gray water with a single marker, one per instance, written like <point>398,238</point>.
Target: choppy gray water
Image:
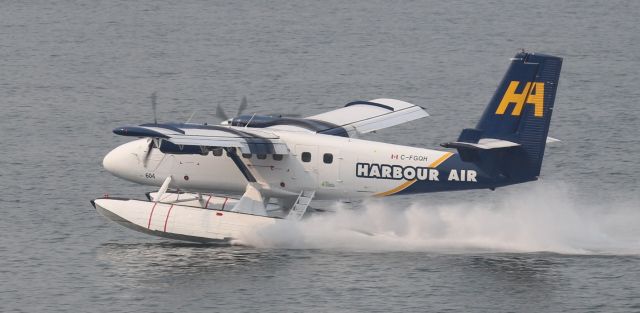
<point>72,71</point>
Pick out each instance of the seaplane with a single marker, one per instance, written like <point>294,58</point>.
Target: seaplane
<point>218,182</point>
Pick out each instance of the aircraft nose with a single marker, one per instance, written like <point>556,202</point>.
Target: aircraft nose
<point>110,161</point>
<point>121,161</point>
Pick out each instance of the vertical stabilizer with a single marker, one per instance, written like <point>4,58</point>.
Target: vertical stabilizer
<point>519,112</point>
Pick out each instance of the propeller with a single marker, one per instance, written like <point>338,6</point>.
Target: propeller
<point>154,104</point>
<point>221,114</point>
<point>243,105</point>
<point>152,142</point>
<point>150,146</point>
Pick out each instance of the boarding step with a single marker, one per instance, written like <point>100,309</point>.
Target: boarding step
<point>301,205</point>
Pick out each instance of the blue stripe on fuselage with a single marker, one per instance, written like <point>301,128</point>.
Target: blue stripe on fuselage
<point>460,180</point>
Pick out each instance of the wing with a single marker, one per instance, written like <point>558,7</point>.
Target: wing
<point>192,138</point>
<point>367,116</point>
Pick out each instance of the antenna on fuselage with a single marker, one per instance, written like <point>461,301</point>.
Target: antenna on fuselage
<point>190,117</point>
<point>251,119</point>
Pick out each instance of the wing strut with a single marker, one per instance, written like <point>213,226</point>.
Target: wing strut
<point>252,201</point>
<point>163,188</point>
<point>231,152</point>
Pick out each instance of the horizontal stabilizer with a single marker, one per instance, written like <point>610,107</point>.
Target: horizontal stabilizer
<point>489,143</point>
<point>552,140</point>
<point>483,144</point>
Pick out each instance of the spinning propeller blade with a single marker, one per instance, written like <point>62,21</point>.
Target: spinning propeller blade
<point>153,107</point>
<point>150,145</point>
<point>152,142</point>
<point>221,114</point>
<point>243,106</point>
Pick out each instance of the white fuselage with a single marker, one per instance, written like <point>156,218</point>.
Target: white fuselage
<point>335,167</point>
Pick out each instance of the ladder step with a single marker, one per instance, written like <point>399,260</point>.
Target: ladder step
<point>300,205</point>
<point>304,201</point>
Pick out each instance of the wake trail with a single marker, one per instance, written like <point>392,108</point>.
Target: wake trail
<point>544,219</point>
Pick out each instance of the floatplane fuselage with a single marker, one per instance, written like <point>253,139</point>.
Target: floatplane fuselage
<point>335,167</point>
<point>288,162</point>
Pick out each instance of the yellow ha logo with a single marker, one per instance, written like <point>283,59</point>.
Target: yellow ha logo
<point>533,93</point>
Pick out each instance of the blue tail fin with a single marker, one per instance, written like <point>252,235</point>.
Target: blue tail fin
<point>517,117</point>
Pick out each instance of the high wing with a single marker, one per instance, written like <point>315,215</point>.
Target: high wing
<point>188,138</point>
<point>366,116</point>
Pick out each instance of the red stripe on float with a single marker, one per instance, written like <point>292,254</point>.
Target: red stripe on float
<point>225,202</point>
<point>167,219</point>
<point>151,215</point>
<point>207,204</point>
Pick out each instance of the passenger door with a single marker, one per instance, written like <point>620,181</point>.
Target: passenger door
<point>306,174</point>
<point>329,160</point>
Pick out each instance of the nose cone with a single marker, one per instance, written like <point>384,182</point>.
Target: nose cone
<point>112,162</point>
<point>123,161</point>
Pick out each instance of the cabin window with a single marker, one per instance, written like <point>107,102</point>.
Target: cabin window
<point>217,151</point>
<point>327,158</point>
<point>277,157</point>
<point>246,155</point>
<point>261,156</point>
<point>306,157</point>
